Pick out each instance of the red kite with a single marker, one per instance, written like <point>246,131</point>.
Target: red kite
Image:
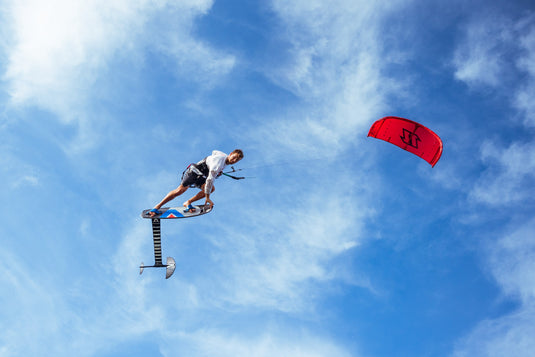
<point>410,136</point>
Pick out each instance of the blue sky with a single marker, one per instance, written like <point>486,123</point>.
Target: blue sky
<point>341,245</point>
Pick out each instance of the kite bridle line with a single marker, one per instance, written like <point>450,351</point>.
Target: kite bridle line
<point>329,158</point>
<point>234,177</point>
<point>234,170</point>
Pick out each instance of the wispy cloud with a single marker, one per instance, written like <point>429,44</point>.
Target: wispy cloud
<point>334,69</point>
<point>286,260</point>
<point>510,174</point>
<point>483,58</point>
<point>33,311</point>
<point>60,56</point>
<point>17,174</point>
<point>480,58</point>
<point>88,314</point>
<point>524,97</point>
<point>511,335</point>
<point>277,246</point>
<point>273,341</point>
<point>114,305</point>
<point>511,262</point>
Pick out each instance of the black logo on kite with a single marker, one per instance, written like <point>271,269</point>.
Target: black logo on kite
<point>410,138</point>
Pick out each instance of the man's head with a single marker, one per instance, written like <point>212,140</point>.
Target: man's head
<point>235,156</point>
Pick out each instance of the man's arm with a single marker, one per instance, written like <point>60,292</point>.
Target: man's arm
<point>209,187</point>
<point>216,164</point>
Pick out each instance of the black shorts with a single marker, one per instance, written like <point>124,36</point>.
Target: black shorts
<point>192,179</point>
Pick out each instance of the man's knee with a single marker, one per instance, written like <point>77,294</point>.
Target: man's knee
<point>179,190</point>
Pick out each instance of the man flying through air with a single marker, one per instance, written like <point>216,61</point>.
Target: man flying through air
<point>202,176</point>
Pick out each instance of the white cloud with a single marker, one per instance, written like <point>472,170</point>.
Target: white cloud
<point>49,316</point>
<point>511,335</point>
<point>335,69</point>
<point>57,49</point>
<point>494,50</point>
<point>15,173</point>
<point>111,304</point>
<point>510,176</point>
<point>479,59</point>
<point>524,97</point>
<point>278,254</point>
<point>26,180</point>
<point>32,312</point>
<point>285,263</point>
<point>511,261</point>
<point>61,53</point>
<point>497,51</point>
<point>276,341</point>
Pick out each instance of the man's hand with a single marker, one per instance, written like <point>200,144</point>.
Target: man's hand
<point>209,202</point>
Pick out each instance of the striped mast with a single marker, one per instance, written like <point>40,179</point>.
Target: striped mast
<point>157,237</point>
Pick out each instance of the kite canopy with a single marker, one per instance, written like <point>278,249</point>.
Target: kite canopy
<point>410,136</point>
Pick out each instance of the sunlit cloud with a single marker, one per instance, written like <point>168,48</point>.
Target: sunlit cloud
<point>61,54</point>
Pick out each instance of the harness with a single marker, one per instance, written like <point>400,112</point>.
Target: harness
<point>200,169</point>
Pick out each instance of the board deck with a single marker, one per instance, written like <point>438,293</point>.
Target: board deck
<point>178,212</point>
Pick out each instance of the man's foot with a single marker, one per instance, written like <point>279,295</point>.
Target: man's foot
<point>189,206</point>
<point>153,212</point>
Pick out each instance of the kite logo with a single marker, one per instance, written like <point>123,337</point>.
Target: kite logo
<point>410,138</point>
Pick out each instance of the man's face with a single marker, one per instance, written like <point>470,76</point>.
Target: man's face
<point>233,158</point>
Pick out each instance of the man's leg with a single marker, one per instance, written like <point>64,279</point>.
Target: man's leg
<point>171,195</point>
<point>197,197</point>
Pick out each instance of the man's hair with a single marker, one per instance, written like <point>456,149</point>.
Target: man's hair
<point>239,152</point>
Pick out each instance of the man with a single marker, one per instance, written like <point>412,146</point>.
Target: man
<point>201,175</point>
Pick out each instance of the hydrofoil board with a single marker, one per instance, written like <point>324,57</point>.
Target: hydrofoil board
<point>178,212</point>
